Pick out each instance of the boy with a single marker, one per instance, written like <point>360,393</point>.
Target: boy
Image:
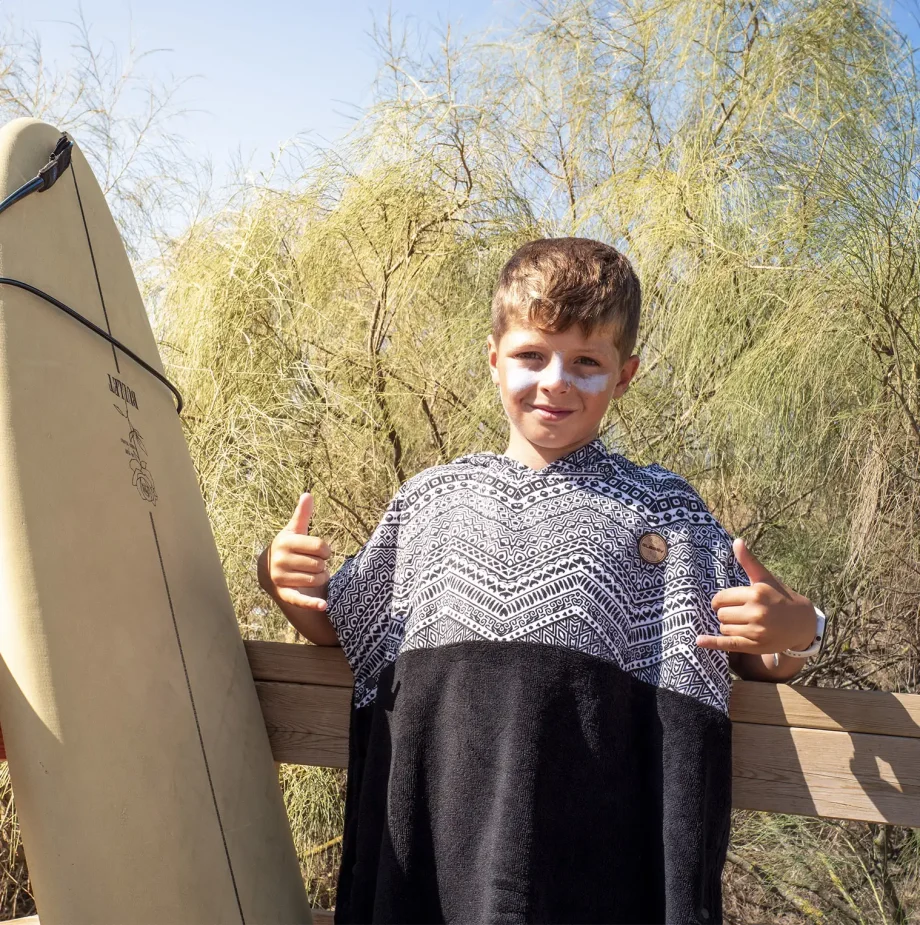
<point>539,729</point>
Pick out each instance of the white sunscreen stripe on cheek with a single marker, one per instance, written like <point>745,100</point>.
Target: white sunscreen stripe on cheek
<point>594,384</point>
<point>519,377</point>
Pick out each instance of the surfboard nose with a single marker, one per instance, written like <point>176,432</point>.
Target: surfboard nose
<point>25,146</point>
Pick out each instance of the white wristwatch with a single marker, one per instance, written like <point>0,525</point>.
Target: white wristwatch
<point>816,645</point>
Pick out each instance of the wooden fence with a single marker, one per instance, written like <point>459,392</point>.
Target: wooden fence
<point>804,750</point>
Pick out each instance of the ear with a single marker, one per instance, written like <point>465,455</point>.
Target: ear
<point>627,371</point>
<point>493,357</point>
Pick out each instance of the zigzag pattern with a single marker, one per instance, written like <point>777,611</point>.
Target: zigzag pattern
<point>486,549</point>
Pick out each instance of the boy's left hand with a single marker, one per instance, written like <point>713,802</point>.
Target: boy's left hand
<point>762,618</point>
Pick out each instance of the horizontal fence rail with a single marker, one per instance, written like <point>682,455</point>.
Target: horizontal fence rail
<point>803,750</point>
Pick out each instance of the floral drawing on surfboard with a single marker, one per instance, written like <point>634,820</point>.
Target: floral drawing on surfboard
<point>141,477</point>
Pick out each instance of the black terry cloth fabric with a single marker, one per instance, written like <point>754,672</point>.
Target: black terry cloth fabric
<point>530,783</point>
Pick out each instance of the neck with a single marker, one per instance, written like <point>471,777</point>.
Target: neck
<point>536,457</point>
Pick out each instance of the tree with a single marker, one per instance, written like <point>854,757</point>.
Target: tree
<point>758,163</point>
<point>123,117</point>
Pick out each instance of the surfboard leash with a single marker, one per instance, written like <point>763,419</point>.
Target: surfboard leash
<point>47,177</point>
<point>19,284</point>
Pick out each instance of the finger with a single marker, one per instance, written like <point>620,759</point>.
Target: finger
<point>733,597</point>
<point>297,562</point>
<point>296,543</point>
<point>303,580</point>
<point>726,643</point>
<point>296,599</point>
<point>735,629</point>
<point>752,566</point>
<point>300,520</point>
<point>734,615</point>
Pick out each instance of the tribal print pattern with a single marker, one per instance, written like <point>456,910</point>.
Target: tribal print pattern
<point>487,549</point>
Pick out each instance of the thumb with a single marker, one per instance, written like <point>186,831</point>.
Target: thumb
<point>300,519</point>
<point>751,564</point>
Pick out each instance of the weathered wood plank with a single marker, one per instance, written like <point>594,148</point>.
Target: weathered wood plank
<point>299,664</point>
<point>818,772</point>
<point>812,772</point>
<point>844,754</point>
<point>307,724</point>
<point>872,712</point>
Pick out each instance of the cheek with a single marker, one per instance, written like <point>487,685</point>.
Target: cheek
<point>593,385</point>
<point>520,378</point>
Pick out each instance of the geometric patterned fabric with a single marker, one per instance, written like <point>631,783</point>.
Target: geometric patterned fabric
<point>485,548</point>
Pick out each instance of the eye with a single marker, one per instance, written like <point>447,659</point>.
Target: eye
<point>588,360</point>
<point>528,355</point>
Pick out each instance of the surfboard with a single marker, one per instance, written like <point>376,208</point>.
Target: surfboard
<point>140,762</point>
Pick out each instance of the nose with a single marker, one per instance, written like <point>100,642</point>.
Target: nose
<point>553,374</point>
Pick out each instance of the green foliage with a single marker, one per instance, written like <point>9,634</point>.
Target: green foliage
<point>758,163</point>
<point>313,797</point>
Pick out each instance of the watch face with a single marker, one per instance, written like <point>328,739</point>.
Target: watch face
<point>819,632</point>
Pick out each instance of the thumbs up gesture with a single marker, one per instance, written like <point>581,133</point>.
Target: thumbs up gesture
<point>296,561</point>
<point>763,618</point>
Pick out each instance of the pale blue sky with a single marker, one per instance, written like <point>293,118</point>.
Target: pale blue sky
<point>268,70</point>
<point>271,69</point>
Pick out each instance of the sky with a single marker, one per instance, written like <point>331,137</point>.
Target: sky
<point>263,70</point>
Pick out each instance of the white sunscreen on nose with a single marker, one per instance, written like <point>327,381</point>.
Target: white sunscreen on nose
<point>519,377</point>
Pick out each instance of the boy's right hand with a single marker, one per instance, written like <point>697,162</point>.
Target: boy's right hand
<point>297,561</point>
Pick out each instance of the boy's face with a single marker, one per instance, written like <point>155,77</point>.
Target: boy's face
<point>555,388</point>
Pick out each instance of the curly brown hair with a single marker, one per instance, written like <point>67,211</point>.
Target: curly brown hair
<point>555,283</point>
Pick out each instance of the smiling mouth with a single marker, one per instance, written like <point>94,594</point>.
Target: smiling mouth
<point>552,413</point>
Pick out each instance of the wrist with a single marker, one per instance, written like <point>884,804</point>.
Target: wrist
<point>816,644</point>
<point>263,572</point>
<point>808,632</point>
<point>772,669</point>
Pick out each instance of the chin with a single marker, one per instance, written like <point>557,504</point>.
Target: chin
<point>554,439</point>
<point>549,437</point>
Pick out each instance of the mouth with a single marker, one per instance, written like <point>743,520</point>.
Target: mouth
<point>550,413</point>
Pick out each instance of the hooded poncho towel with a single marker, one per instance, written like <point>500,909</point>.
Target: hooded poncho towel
<point>535,735</point>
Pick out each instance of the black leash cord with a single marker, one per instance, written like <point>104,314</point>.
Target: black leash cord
<point>47,177</point>
<point>22,192</point>
<point>5,281</point>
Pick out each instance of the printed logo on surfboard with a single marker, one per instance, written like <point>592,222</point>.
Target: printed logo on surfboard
<point>135,450</point>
